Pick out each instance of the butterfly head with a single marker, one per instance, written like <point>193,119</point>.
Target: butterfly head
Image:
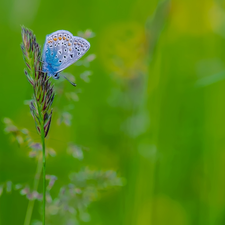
<point>56,76</point>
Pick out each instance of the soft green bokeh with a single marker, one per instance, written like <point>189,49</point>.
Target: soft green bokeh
<point>154,109</point>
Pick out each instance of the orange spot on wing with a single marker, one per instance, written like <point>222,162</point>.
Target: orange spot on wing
<point>60,38</point>
<point>70,49</point>
<point>69,44</point>
<point>75,43</point>
<point>67,39</point>
<point>49,41</point>
<point>55,39</point>
<point>64,38</point>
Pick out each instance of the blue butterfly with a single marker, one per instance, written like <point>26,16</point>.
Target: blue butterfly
<point>62,49</point>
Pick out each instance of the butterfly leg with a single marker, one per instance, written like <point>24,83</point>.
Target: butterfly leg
<point>44,73</point>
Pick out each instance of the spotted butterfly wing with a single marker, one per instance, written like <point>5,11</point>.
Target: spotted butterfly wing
<point>62,49</point>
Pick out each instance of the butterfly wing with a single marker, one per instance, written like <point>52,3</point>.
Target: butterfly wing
<point>73,51</point>
<point>61,50</point>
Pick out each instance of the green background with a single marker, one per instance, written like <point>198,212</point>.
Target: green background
<point>153,110</point>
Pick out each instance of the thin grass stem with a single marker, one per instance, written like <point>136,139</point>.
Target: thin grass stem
<point>43,97</point>
<point>30,206</point>
<point>44,167</point>
<point>43,159</point>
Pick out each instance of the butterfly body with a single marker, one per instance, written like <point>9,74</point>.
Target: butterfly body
<point>62,49</point>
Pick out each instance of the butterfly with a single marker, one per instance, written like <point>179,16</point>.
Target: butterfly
<point>62,49</point>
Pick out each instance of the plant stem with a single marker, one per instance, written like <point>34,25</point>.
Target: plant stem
<point>43,159</point>
<point>44,165</point>
<point>35,187</point>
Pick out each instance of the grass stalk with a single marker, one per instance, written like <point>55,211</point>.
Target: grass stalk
<point>40,105</point>
<point>44,168</point>
<point>30,206</point>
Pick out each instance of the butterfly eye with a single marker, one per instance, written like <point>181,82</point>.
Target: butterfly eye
<point>60,61</point>
<point>71,56</point>
<point>55,45</point>
<point>78,53</point>
<point>60,52</point>
<point>50,46</point>
<point>64,56</point>
<point>65,50</point>
<point>58,43</point>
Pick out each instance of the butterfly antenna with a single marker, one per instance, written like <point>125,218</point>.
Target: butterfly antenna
<point>70,81</point>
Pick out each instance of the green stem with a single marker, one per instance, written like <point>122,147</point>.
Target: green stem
<point>44,165</point>
<point>43,159</point>
<point>35,187</point>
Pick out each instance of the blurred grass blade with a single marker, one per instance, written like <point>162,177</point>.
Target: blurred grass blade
<point>206,81</point>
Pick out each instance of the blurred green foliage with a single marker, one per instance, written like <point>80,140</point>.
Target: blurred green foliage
<point>148,105</point>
